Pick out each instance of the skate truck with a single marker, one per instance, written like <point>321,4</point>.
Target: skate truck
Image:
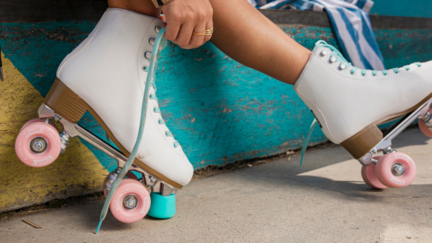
<point>343,111</point>
<point>391,169</point>
<point>395,169</point>
<point>39,143</point>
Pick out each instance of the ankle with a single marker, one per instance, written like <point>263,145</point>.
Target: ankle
<point>140,6</point>
<point>302,60</point>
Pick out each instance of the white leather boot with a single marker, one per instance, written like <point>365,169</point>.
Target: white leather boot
<point>106,75</point>
<point>349,103</point>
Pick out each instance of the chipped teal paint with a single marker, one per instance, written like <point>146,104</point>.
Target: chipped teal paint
<point>405,8</point>
<point>401,47</point>
<point>219,110</point>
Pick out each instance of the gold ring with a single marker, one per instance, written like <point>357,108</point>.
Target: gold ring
<point>207,32</point>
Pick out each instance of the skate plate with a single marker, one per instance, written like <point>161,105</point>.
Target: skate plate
<point>385,144</point>
<point>71,130</point>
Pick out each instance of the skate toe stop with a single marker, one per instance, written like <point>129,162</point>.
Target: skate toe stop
<point>162,207</point>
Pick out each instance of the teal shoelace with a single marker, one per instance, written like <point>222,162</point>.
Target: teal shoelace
<point>161,121</point>
<point>124,170</point>
<point>306,142</point>
<point>336,56</point>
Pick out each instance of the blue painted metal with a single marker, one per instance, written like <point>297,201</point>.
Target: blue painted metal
<point>404,8</point>
<point>162,207</point>
<point>219,110</point>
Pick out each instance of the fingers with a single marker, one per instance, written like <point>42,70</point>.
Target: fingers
<point>185,35</point>
<point>172,30</point>
<point>197,40</point>
<point>185,17</point>
<point>208,26</point>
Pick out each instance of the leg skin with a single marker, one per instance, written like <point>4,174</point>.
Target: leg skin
<point>245,35</point>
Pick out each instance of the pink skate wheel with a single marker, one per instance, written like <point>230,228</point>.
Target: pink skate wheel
<point>396,170</point>
<point>129,175</point>
<point>38,144</point>
<point>424,128</point>
<point>37,120</point>
<point>130,202</point>
<point>369,176</point>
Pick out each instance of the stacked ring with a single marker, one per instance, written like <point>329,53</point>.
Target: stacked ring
<point>207,32</point>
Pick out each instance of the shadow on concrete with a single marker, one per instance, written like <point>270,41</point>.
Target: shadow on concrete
<point>334,170</point>
<point>328,175</point>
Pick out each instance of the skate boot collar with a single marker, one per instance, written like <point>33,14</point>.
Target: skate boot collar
<point>336,56</point>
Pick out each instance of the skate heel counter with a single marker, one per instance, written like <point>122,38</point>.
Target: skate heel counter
<point>81,46</point>
<point>65,102</point>
<point>362,142</point>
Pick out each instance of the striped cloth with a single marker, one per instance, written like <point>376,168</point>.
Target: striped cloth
<point>350,21</point>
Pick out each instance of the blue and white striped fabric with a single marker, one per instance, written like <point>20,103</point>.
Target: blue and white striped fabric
<point>350,21</point>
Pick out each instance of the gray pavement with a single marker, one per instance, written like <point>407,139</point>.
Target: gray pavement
<point>325,200</point>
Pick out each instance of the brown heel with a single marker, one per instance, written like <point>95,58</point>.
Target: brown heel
<point>361,143</point>
<point>65,102</point>
<point>71,107</point>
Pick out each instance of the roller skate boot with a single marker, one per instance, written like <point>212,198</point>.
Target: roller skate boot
<point>110,75</point>
<point>349,104</point>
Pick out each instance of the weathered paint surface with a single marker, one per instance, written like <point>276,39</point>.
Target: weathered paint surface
<point>76,172</point>
<point>219,110</point>
<point>405,8</point>
<point>402,47</point>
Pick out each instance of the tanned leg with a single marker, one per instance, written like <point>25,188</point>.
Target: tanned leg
<point>245,35</point>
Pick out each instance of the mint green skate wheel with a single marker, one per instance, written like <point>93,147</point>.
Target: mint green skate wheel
<point>162,207</point>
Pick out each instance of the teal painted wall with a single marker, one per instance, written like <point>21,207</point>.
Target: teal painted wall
<point>219,110</point>
<point>404,8</point>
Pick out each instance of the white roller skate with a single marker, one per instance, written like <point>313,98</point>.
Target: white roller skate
<point>110,75</point>
<point>349,104</point>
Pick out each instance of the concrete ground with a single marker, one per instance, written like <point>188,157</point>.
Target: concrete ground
<point>325,200</point>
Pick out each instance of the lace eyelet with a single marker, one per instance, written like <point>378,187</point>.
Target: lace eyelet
<point>342,67</point>
<point>152,41</point>
<point>323,53</point>
<point>145,68</point>
<point>158,28</point>
<point>332,59</point>
<point>147,54</point>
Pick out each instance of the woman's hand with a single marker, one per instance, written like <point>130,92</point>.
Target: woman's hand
<point>183,17</point>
